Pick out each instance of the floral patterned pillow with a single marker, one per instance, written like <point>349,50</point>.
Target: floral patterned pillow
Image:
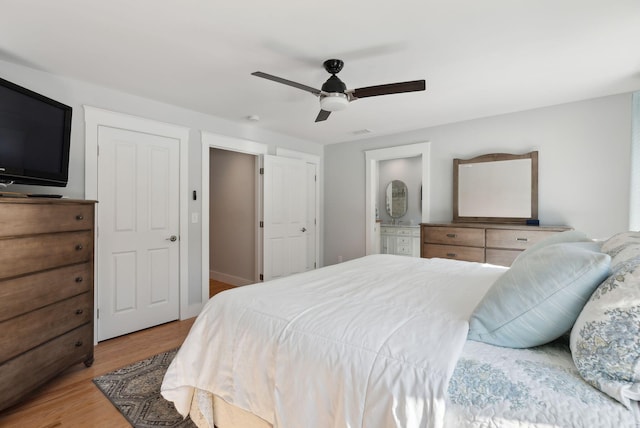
<point>622,247</point>
<point>605,339</point>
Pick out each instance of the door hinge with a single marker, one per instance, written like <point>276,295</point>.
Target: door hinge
<point>315,178</point>
<point>98,313</point>
<point>314,265</point>
<point>261,277</point>
<point>262,224</point>
<point>315,222</point>
<point>261,171</point>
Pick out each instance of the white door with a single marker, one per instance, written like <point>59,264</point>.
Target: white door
<point>311,216</point>
<point>285,217</point>
<point>138,224</point>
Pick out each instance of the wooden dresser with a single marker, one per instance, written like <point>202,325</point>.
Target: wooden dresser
<point>46,291</point>
<point>485,243</point>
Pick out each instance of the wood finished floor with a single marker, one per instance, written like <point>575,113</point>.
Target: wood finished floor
<point>72,400</point>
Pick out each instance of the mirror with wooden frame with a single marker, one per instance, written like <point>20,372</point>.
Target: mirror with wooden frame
<point>496,188</point>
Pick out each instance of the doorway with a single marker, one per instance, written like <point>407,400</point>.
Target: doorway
<point>259,152</point>
<point>373,157</point>
<point>233,215</point>
<point>231,146</point>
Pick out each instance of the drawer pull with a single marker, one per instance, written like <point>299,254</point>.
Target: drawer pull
<point>79,279</point>
<point>79,311</point>
<point>451,254</point>
<point>451,235</point>
<point>522,239</point>
<point>78,343</point>
<point>79,247</point>
<point>79,217</point>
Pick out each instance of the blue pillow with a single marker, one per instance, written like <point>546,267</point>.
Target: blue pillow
<point>539,298</point>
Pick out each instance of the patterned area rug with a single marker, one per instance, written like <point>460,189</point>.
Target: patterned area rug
<point>135,391</point>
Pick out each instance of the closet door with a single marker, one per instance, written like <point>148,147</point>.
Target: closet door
<point>138,260</point>
<point>286,223</point>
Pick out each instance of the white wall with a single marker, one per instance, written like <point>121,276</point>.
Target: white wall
<point>584,168</point>
<point>78,93</point>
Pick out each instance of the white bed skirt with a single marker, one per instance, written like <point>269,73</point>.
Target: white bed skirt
<point>208,410</point>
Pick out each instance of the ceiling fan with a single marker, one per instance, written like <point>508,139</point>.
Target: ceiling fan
<point>334,94</point>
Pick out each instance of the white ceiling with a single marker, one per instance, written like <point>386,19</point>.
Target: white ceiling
<point>479,58</point>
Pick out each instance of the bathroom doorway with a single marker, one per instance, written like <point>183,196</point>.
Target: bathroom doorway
<point>373,157</point>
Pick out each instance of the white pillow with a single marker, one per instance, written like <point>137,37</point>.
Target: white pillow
<point>539,298</point>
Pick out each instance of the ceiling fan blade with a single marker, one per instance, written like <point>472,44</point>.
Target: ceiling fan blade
<point>323,115</point>
<point>388,89</point>
<point>314,91</point>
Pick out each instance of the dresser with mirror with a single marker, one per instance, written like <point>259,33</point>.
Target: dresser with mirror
<point>495,211</point>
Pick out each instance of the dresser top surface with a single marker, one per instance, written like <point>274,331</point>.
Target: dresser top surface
<point>500,226</point>
<point>41,201</point>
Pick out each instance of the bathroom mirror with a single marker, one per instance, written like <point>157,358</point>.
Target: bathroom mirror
<point>396,199</point>
<point>496,188</point>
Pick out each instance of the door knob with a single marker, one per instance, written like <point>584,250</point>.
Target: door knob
<point>172,238</point>
<point>304,229</point>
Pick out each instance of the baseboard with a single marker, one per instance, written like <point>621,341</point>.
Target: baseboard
<point>229,279</point>
<point>190,311</point>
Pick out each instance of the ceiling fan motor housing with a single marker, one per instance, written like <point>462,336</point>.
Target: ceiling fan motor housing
<point>334,84</point>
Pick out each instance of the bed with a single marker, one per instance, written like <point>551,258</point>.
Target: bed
<point>392,341</point>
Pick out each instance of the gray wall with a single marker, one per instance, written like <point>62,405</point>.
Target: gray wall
<point>78,93</point>
<point>232,216</point>
<point>408,170</point>
<point>584,168</point>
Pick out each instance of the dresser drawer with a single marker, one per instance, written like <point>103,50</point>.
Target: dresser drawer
<point>470,254</point>
<point>31,369</point>
<point>21,219</point>
<point>36,253</point>
<point>26,293</point>
<point>455,236</point>
<point>39,326</point>
<point>515,239</point>
<point>501,257</point>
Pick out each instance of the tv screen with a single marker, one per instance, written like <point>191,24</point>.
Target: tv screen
<point>35,135</point>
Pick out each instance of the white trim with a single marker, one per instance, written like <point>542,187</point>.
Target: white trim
<point>634,185</point>
<point>372,157</point>
<point>294,154</point>
<point>94,118</point>
<point>209,141</point>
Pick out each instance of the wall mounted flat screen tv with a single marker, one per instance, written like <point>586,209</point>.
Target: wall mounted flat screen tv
<point>35,135</point>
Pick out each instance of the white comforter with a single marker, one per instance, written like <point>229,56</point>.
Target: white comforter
<point>369,343</point>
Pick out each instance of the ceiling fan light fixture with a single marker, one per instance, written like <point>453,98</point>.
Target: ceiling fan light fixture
<point>334,101</point>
